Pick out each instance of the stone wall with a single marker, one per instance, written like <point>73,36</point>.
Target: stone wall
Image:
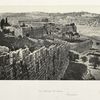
<point>42,64</point>
<point>69,28</point>
<point>33,32</point>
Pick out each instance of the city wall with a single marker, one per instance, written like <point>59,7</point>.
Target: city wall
<point>42,64</point>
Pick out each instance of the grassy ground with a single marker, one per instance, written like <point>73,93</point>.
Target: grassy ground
<point>75,71</point>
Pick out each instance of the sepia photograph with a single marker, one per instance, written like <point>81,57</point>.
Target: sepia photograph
<point>49,49</point>
<point>50,43</point>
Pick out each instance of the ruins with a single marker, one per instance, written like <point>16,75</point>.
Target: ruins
<point>39,49</point>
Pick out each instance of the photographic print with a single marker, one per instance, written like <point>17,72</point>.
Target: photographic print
<point>50,43</point>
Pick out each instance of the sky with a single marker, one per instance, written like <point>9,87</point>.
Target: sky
<point>54,6</point>
<point>50,8</point>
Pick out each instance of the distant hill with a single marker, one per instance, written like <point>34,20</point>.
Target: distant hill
<point>80,18</point>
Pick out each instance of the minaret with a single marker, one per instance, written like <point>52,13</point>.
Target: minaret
<point>6,20</point>
<point>2,23</point>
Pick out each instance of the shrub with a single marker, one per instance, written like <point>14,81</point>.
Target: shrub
<point>20,37</point>
<point>27,35</point>
<point>95,61</point>
<point>84,58</point>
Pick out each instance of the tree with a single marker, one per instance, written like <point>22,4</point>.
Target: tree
<point>27,35</point>
<point>84,58</point>
<point>95,61</point>
<point>20,37</point>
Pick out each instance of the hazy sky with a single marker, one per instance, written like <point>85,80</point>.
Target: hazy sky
<point>58,8</point>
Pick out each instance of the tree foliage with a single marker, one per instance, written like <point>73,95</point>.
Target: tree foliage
<point>95,61</point>
<point>84,58</point>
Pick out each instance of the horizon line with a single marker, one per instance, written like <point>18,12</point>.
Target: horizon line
<point>50,9</point>
<point>48,12</point>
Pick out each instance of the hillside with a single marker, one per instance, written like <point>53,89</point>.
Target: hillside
<point>80,18</point>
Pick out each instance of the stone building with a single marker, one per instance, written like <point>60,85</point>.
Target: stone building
<point>69,28</point>
<point>33,32</point>
<point>13,31</point>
